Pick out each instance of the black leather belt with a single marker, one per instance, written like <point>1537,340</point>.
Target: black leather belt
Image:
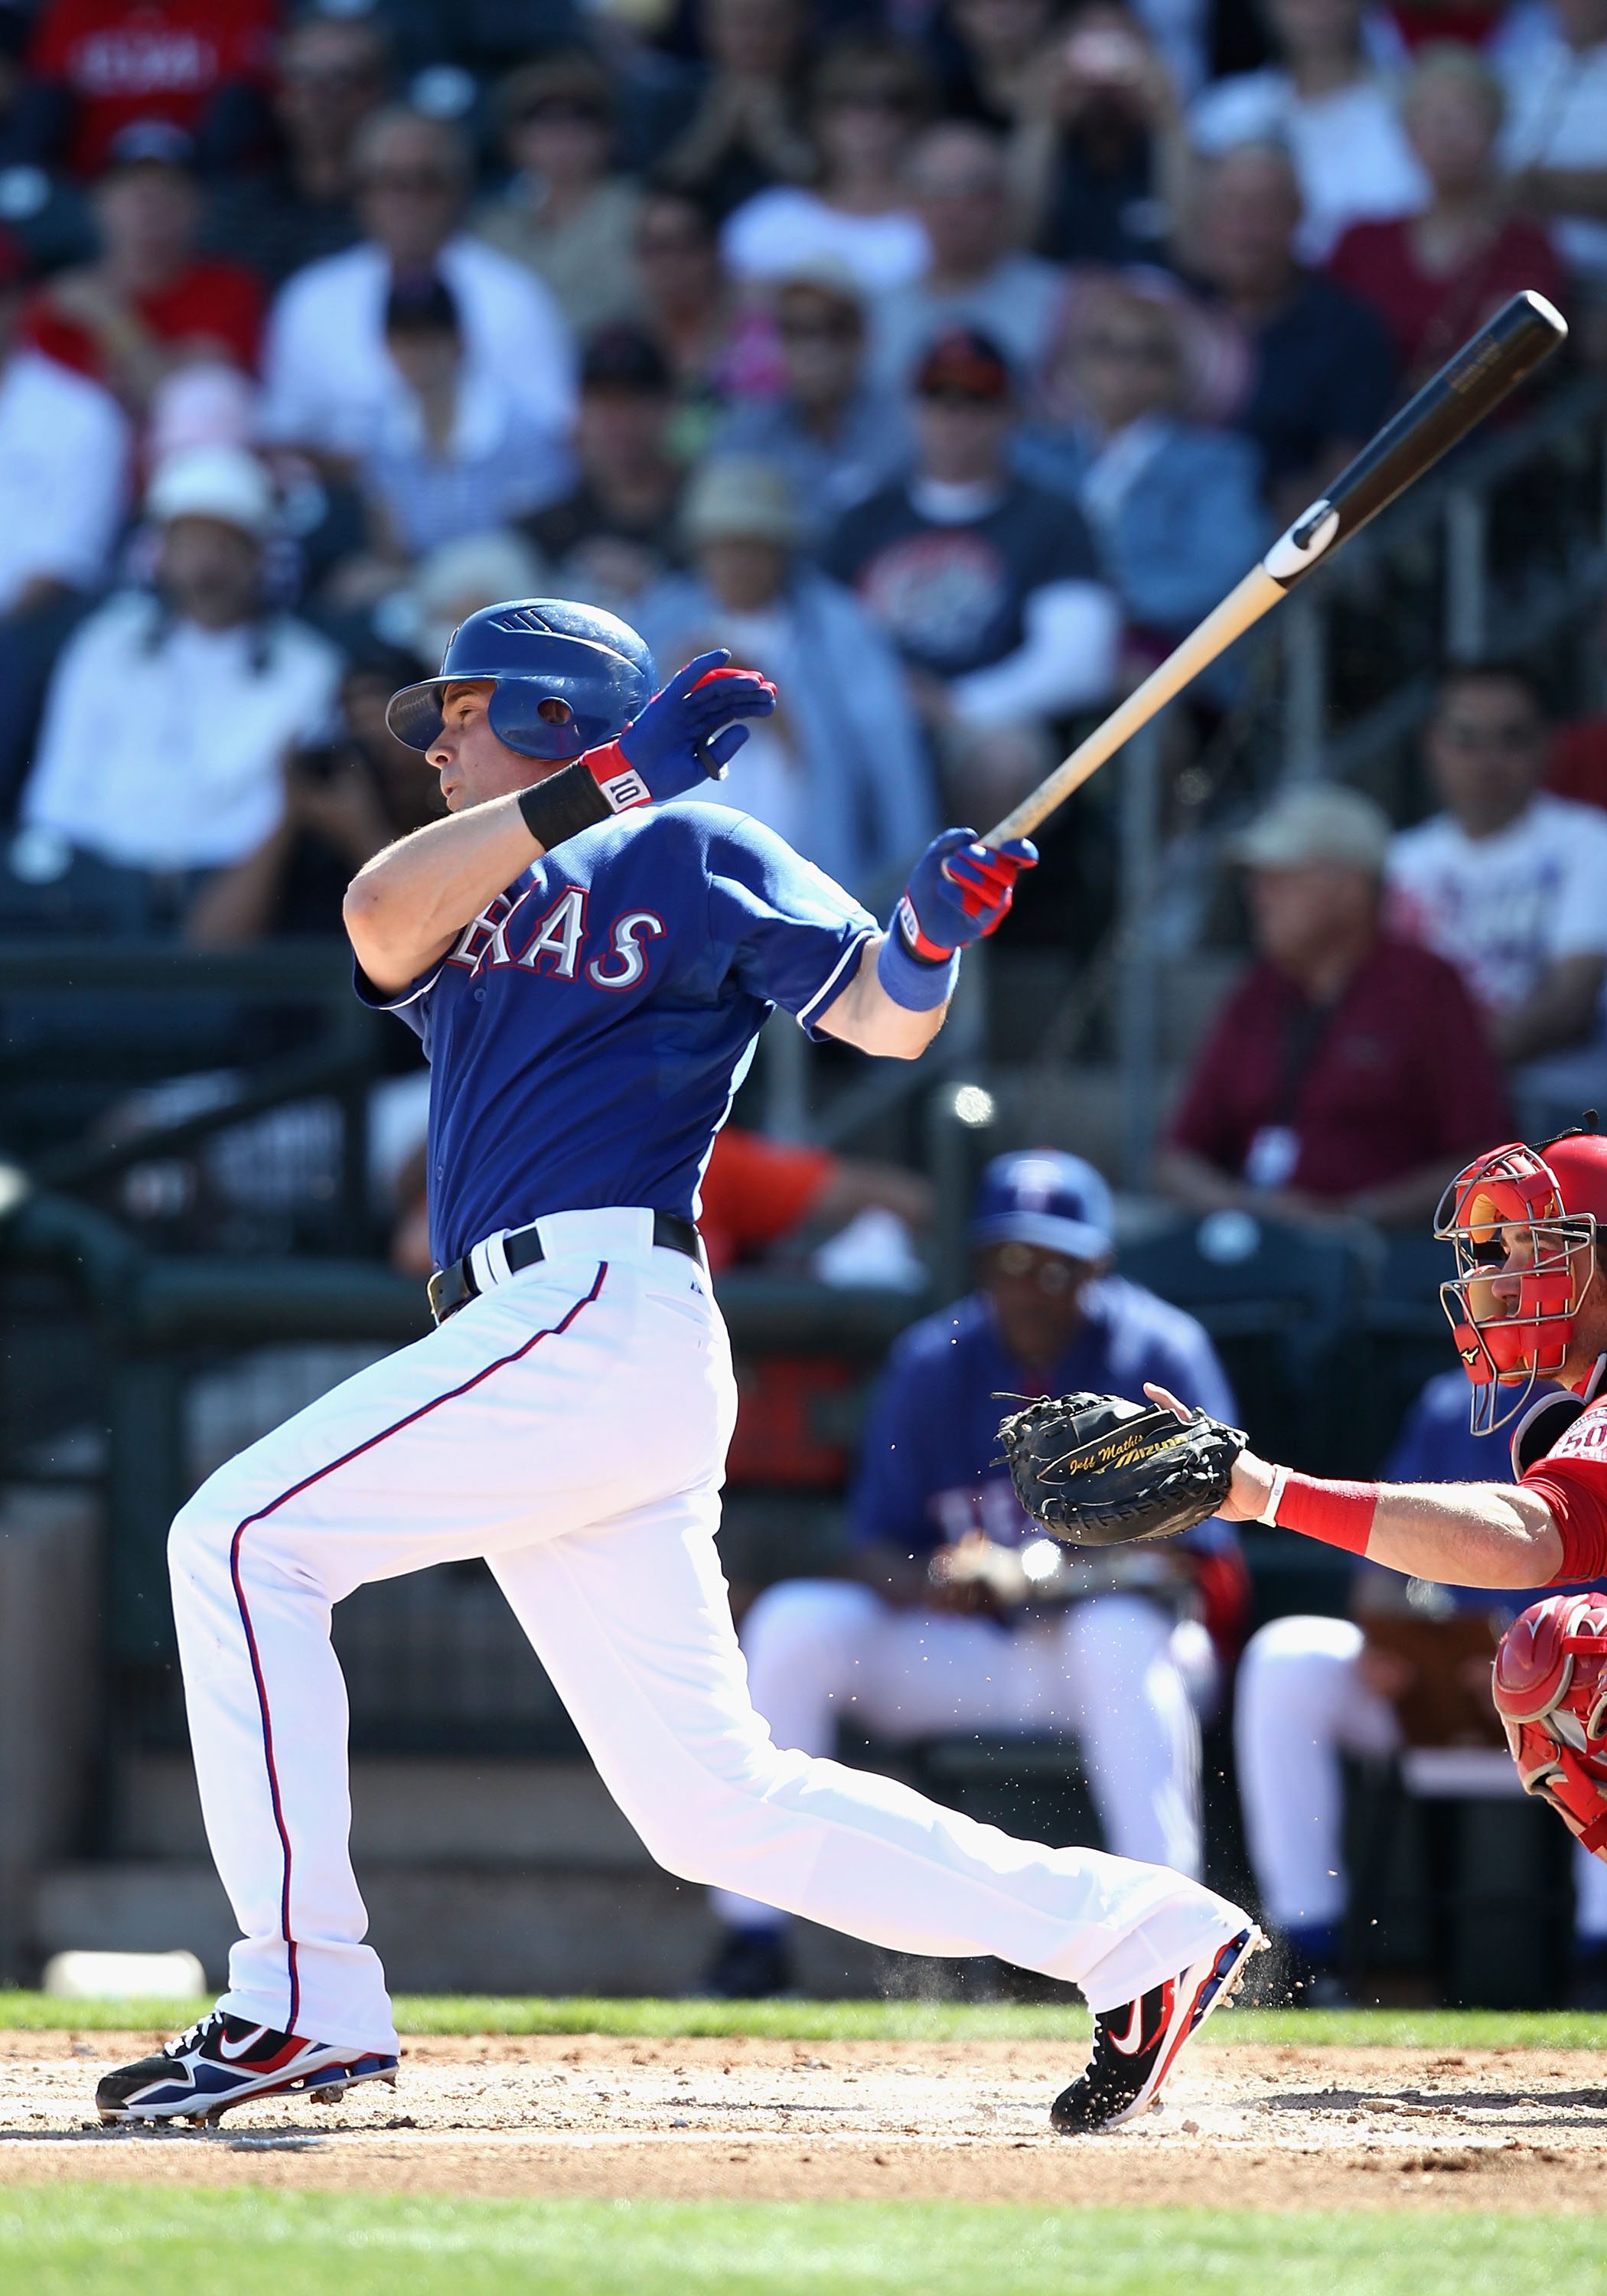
<point>452,1288</point>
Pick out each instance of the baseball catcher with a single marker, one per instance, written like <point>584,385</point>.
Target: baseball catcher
<point>1527,1306</point>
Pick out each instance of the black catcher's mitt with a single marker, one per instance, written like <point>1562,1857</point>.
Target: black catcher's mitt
<point>1097,1471</point>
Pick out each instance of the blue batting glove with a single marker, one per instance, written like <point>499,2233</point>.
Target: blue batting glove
<point>684,735</point>
<point>959,891</point>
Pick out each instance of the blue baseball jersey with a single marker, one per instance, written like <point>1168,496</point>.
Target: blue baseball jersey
<point>587,1034</point>
<point>931,1469</point>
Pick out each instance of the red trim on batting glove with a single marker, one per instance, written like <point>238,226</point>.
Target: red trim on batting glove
<point>615,775</point>
<point>1340,1514</point>
<point>919,944</point>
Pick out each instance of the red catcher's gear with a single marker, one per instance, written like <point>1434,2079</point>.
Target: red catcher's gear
<point>1550,1688</point>
<point>1558,1193</point>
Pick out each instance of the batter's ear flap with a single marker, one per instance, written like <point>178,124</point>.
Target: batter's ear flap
<point>1542,1426</point>
<point>536,724</point>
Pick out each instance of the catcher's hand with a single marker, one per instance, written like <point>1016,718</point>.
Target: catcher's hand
<point>1097,1471</point>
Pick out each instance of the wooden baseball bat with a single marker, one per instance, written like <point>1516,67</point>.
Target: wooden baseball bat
<point>1505,350</point>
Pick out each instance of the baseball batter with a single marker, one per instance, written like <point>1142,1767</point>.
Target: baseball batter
<point>588,962</point>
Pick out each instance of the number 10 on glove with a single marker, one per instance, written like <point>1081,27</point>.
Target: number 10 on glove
<point>1098,1471</point>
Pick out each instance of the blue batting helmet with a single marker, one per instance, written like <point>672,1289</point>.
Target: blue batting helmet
<point>566,677</point>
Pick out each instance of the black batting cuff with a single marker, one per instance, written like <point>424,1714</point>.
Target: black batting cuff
<point>563,805</point>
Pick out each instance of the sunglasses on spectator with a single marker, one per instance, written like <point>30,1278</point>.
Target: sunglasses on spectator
<point>555,108</point>
<point>306,75</point>
<point>841,329</point>
<point>1511,740</point>
<point>872,99</point>
<point>1147,350</point>
<point>950,394</point>
<point>1016,1260</point>
<point>419,183</point>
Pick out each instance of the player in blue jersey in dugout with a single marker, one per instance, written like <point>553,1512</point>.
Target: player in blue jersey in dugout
<point>936,1626</point>
<point>588,950</point>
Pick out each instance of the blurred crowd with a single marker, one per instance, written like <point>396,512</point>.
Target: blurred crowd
<point>946,358</point>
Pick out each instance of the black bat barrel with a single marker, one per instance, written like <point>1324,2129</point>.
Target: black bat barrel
<point>1503,353</point>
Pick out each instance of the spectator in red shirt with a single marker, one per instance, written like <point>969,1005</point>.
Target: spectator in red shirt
<point>148,303</point>
<point>1434,277</point>
<point>110,62</point>
<point>1348,1076</point>
<point>758,1192</point>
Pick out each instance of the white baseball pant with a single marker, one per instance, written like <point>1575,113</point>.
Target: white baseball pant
<point>1301,1703</point>
<point>823,1650</point>
<point>571,1425</point>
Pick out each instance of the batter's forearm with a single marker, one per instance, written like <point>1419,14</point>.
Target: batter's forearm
<point>866,1016</point>
<point>405,907</point>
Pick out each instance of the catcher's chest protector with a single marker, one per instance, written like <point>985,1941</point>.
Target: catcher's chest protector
<point>1550,1688</point>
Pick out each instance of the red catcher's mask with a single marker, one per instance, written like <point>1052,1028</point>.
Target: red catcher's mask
<point>1530,1214</point>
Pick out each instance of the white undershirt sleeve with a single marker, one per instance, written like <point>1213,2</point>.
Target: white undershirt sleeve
<point>1066,661</point>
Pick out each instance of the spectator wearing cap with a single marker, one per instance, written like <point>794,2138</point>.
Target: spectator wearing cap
<point>868,99</point>
<point>330,72</point>
<point>1101,156</point>
<point>63,477</point>
<point>987,585</point>
<point>838,436</point>
<point>1348,1076</point>
<point>149,302</point>
<point>1328,104</point>
<point>911,1642</point>
<point>616,532</point>
<point>1509,884</point>
<point>1175,508</point>
<point>328,377</point>
<point>978,276</point>
<point>1323,366</point>
<point>839,771</point>
<point>456,450</point>
<point>1435,276</point>
<point>171,712</point>
<point>99,65</point>
<point>565,215</point>
<point>747,131</point>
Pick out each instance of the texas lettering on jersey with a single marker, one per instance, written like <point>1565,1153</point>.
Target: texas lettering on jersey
<point>554,944</point>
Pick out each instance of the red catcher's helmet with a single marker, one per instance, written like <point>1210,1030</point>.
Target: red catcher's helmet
<point>1550,1688</point>
<point>1556,1196</point>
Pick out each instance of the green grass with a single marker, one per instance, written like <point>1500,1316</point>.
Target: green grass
<point>871,2020</point>
<point>148,2242</point>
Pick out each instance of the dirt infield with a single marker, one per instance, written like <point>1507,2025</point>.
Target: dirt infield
<point>761,2119</point>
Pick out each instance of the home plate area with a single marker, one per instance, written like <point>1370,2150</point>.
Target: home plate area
<point>1240,2125</point>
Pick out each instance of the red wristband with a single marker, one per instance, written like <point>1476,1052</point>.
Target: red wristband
<point>1340,1514</point>
<point>621,785</point>
<point>918,944</point>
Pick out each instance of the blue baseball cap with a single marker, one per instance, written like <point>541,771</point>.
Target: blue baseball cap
<point>1042,1196</point>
